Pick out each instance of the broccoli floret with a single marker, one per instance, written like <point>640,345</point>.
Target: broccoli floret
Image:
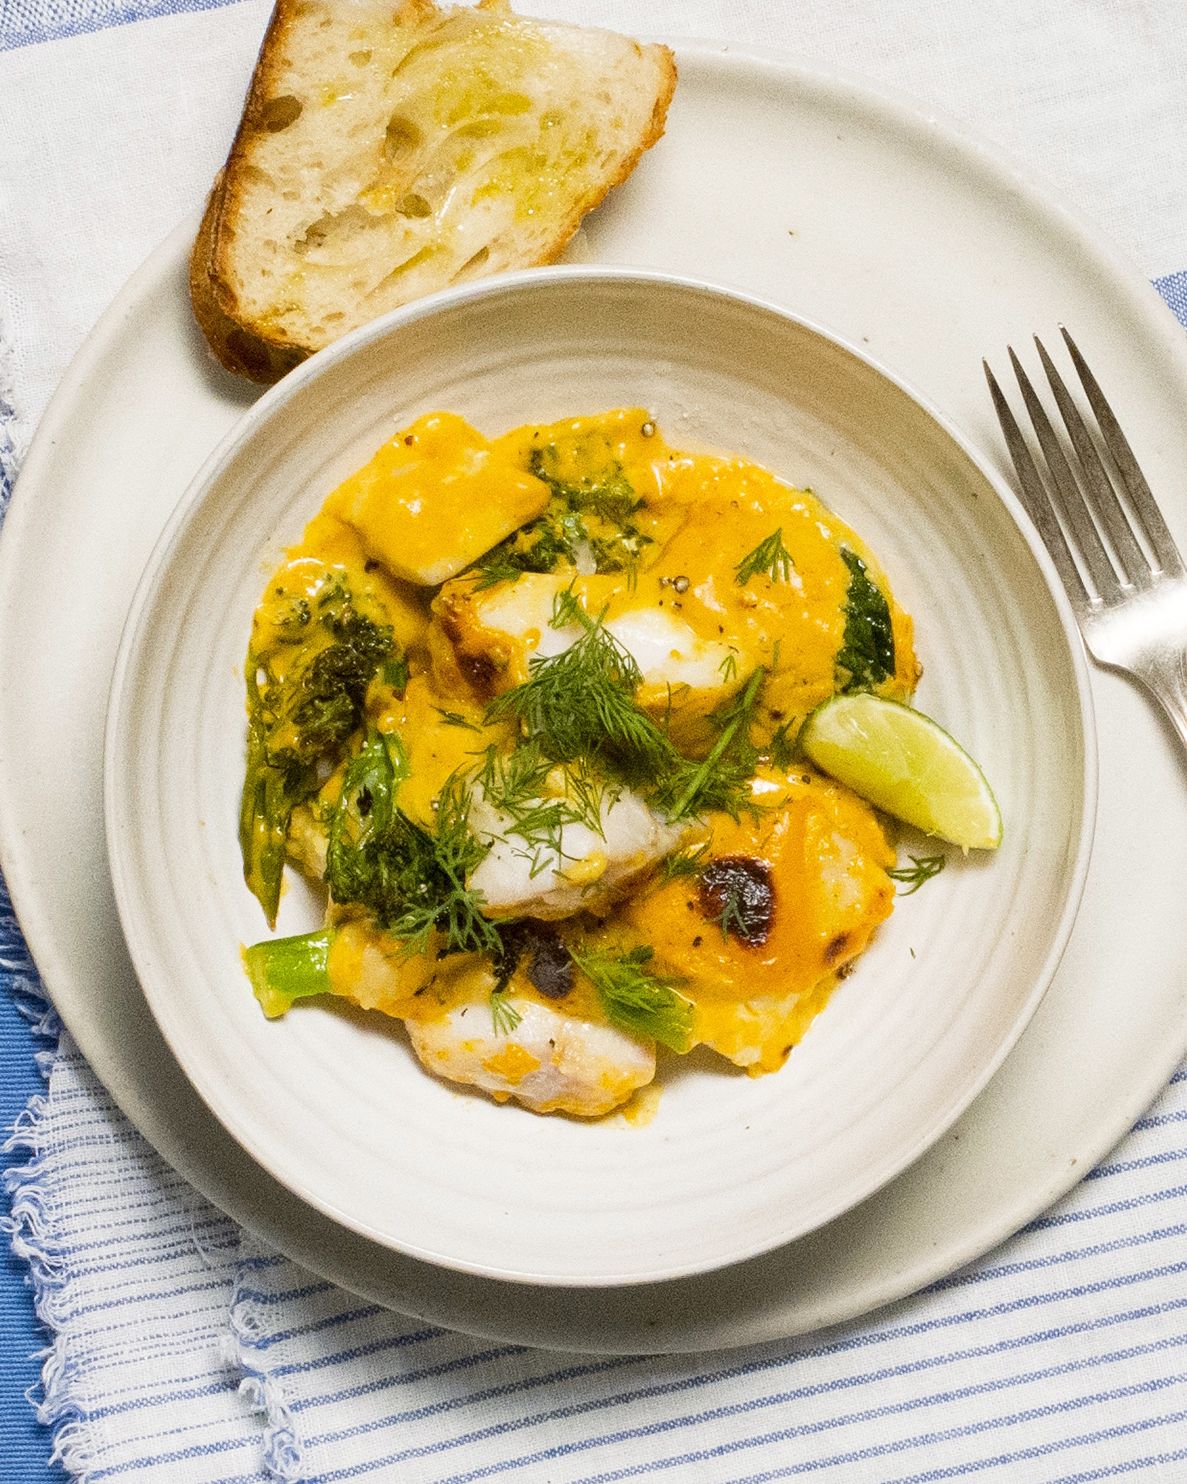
<point>305,698</point>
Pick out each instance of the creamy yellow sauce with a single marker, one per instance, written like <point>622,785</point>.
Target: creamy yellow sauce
<point>411,534</point>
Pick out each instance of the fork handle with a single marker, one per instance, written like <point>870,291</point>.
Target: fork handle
<point>1165,677</point>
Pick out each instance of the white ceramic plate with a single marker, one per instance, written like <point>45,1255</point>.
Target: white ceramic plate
<point>908,240</point>
<point>337,1108</point>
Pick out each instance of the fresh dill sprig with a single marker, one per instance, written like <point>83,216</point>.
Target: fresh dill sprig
<point>728,669</point>
<point>684,862</point>
<point>456,719</point>
<point>721,780</point>
<point>504,1017</point>
<point>921,869</point>
<point>732,917</point>
<point>580,704</point>
<point>567,609</point>
<point>770,556</point>
<point>521,786</point>
<point>781,749</point>
<point>636,999</point>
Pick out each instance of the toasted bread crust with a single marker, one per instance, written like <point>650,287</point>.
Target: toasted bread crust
<point>237,344</point>
<point>258,351</point>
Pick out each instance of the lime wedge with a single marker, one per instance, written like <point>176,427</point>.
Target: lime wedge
<point>905,764</point>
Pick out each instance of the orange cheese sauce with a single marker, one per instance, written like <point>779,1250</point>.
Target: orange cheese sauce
<point>826,858</point>
<point>438,474</point>
<point>701,515</point>
<point>410,532</point>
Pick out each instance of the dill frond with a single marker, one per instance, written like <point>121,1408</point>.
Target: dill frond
<point>921,869</point>
<point>769,557</point>
<point>636,999</point>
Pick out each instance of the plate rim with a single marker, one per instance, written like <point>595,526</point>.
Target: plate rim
<point>121,707</point>
<point>472,1312</point>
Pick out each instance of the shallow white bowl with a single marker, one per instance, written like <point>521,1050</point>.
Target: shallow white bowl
<point>334,1104</point>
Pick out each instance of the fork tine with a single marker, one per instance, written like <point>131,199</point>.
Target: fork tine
<point>1075,513</point>
<point>1035,497</point>
<point>1135,568</point>
<point>1153,526</point>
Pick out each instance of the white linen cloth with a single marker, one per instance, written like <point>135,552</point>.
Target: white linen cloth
<point>181,1354</point>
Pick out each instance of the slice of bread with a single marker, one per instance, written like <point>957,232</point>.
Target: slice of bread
<point>384,155</point>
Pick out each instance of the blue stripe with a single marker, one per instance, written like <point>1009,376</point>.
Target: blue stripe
<point>143,1402</point>
<point>1145,1162</point>
<point>356,1352</point>
<point>711,1377</point>
<point>1110,1208</point>
<point>882,1450</point>
<point>1056,1259</point>
<point>1160,1120</point>
<point>1042,1450</point>
<point>164,1295</point>
<point>488,1393</point>
<point>22,25</point>
<point>1112,1470</point>
<point>1173,289</point>
<point>352,1316</point>
<point>153,1252</point>
<point>177,1455</point>
<point>286,1295</point>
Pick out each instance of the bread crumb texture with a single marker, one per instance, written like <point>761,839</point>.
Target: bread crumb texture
<point>383,158</point>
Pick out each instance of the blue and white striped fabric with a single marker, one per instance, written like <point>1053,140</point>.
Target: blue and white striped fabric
<point>179,1353</point>
<point>182,1354</point>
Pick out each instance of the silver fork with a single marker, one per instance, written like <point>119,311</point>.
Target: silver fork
<point>1118,562</point>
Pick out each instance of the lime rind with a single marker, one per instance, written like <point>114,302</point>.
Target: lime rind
<point>905,764</point>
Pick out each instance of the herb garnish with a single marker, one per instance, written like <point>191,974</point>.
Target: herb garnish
<point>770,556</point>
<point>922,869</point>
<point>516,785</point>
<point>684,862</point>
<point>580,704</point>
<point>504,1017</point>
<point>410,880</point>
<point>866,656</point>
<point>590,518</point>
<point>456,719</point>
<point>609,494</point>
<point>737,893</point>
<point>394,672</point>
<point>782,746</point>
<point>637,1000</point>
<point>721,780</point>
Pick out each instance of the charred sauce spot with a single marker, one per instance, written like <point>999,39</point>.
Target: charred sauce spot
<point>545,958</point>
<point>736,891</point>
<point>836,948</point>
<point>480,671</point>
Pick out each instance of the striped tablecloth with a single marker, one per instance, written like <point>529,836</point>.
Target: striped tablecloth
<point>177,1350</point>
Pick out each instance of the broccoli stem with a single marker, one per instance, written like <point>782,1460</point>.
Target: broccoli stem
<point>282,970</point>
<point>264,816</point>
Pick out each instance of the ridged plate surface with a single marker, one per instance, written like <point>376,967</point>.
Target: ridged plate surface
<point>334,1105</point>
